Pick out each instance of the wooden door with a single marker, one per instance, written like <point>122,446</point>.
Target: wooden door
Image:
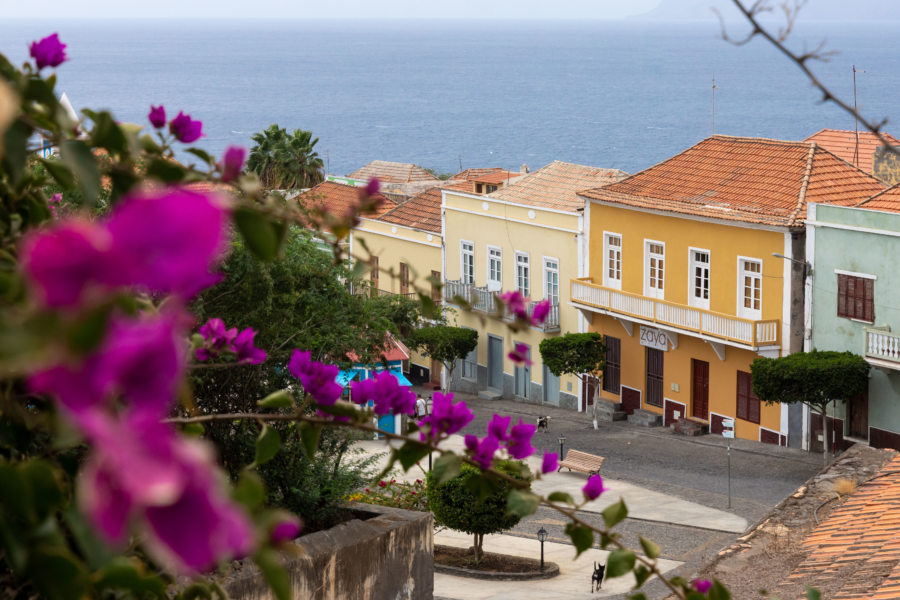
<point>631,400</point>
<point>859,416</point>
<point>436,368</point>
<point>495,362</point>
<point>654,387</point>
<point>700,389</point>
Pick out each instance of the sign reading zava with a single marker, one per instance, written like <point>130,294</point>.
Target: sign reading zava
<point>654,338</point>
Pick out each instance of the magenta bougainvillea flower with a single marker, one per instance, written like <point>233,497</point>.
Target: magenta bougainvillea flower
<point>701,585</point>
<point>157,116</point>
<point>446,418</point>
<point>372,187</point>
<point>318,379</point>
<point>519,444</point>
<point>386,393</point>
<point>519,355</point>
<point>498,427</point>
<point>232,163</point>
<point>218,339</point>
<point>515,303</point>
<point>550,462</point>
<point>593,488</point>
<point>246,352</point>
<point>48,52</point>
<point>285,529</point>
<point>168,241</point>
<point>66,261</point>
<point>539,312</point>
<point>482,451</point>
<point>185,129</point>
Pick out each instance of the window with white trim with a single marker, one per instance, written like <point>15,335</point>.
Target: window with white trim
<point>466,262</point>
<point>551,280</point>
<point>750,291</point>
<point>495,268</point>
<point>698,295</point>
<point>612,257</point>
<point>523,274</point>
<point>654,269</point>
<point>856,297</point>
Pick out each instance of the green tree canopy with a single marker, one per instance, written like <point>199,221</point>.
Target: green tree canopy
<point>285,160</point>
<point>574,354</point>
<point>444,343</point>
<point>812,378</point>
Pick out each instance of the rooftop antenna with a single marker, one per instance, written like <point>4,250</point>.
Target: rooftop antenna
<point>856,118</point>
<point>327,161</point>
<point>714,88</point>
<point>460,163</point>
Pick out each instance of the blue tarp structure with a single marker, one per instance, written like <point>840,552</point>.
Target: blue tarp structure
<point>398,373</point>
<point>344,377</point>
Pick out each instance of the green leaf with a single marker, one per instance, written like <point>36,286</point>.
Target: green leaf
<point>57,574</point>
<point>720,592</point>
<point>87,333</point>
<point>77,156</point>
<point>812,593</point>
<point>124,574</point>
<point>267,445</point>
<point>95,551</point>
<point>14,493</point>
<point>269,563</point>
<point>340,409</point>
<point>614,514</point>
<point>201,154</point>
<point>446,467</point>
<point>641,575</point>
<point>193,429</point>
<point>582,538</point>
<point>249,490</point>
<point>62,174</point>
<point>619,562</point>
<point>651,550</point>
<point>606,540</point>
<point>410,453</point>
<point>15,147</point>
<point>263,237</point>
<point>522,503</point>
<point>309,435</point>
<point>40,91</point>
<point>637,596</point>
<point>165,170</point>
<point>107,134</point>
<point>279,399</point>
<point>46,493</point>
<point>563,497</point>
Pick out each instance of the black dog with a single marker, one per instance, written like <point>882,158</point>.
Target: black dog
<point>597,577</point>
<point>543,423</point>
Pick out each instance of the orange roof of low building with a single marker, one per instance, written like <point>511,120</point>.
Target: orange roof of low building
<point>497,177</point>
<point>854,554</point>
<point>339,199</point>
<point>753,180</point>
<point>842,143</point>
<point>888,200</point>
<point>478,173</point>
<point>422,211</point>
<point>393,350</point>
<point>556,186</point>
<point>392,172</point>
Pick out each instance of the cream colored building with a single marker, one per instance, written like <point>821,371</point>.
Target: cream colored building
<point>527,235</point>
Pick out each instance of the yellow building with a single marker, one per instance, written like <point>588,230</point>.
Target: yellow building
<point>528,235</point>
<point>696,267</point>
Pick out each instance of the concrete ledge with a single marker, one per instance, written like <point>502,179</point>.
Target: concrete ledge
<point>550,570</point>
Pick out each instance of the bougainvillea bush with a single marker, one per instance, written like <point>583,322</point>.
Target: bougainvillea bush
<point>108,484</point>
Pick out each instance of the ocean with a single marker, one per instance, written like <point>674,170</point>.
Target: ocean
<point>457,94</point>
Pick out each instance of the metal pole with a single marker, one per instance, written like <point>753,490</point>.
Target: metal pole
<point>542,555</point>
<point>729,472</point>
<point>429,461</point>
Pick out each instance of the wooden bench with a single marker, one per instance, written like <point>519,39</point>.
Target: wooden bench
<point>577,460</point>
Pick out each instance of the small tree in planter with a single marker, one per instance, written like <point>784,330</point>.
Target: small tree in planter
<point>812,378</point>
<point>444,344</point>
<point>465,503</point>
<point>579,354</point>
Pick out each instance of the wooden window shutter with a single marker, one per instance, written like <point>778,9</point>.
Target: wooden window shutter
<point>869,300</point>
<point>842,296</point>
<point>742,395</point>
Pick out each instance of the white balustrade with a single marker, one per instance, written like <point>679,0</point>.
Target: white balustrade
<point>882,344</point>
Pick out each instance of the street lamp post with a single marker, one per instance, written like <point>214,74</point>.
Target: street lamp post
<point>542,537</point>
<point>562,446</point>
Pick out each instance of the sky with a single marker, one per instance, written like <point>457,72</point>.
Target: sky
<point>262,9</point>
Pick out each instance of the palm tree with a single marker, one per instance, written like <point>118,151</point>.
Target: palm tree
<point>285,161</point>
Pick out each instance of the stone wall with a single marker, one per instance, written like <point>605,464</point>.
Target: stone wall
<point>385,554</point>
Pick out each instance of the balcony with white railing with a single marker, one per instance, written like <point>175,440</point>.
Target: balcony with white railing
<point>484,301</point>
<point>883,346</point>
<point>748,333</point>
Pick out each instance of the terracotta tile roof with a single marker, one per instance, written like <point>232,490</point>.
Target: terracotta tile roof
<point>842,143</point>
<point>477,174</point>
<point>392,172</point>
<point>422,211</point>
<point>338,198</point>
<point>498,177</point>
<point>888,200</point>
<point>556,186</point>
<point>753,180</point>
<point>854,554</point>
<point>392,350</point>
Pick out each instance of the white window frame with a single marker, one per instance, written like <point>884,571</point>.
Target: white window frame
<point>748,313</point>
<point>527,291</point>
<point>654,292</point>
<point>546,277</point>
<point>494,284</point>
<point>693,300</point>
<point>463,252</point>
<point>610,282</point>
